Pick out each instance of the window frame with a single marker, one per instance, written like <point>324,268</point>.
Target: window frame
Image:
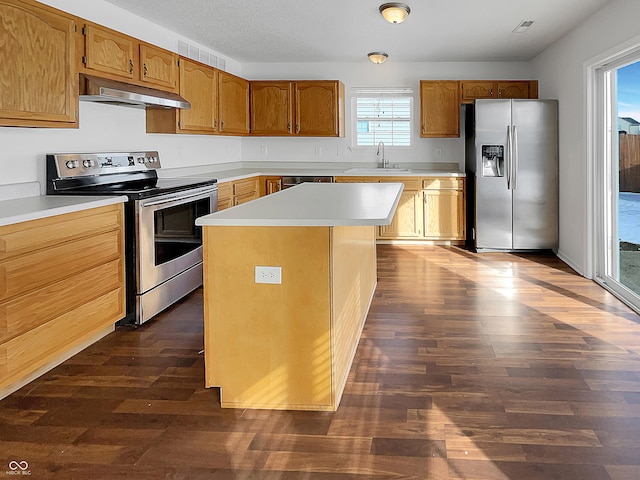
<point>380,92</point>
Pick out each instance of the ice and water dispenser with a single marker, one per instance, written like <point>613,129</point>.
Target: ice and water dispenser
<point>493,160</point>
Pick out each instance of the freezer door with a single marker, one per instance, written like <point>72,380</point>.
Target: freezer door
<point>493,199</point>
<point>535,194</point>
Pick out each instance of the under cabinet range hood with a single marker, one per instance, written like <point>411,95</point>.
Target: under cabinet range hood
<point>96,89</point>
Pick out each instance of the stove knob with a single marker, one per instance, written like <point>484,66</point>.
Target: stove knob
<point>87,163</point>
<point>141,159</point>
<point>72,164</point>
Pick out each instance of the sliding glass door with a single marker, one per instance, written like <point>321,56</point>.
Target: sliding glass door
<point>618,222</point>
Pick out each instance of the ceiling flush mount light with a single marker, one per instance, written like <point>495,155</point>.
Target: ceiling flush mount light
<point>523,26</point>
<point>395,12</point>
<point>378,57</point>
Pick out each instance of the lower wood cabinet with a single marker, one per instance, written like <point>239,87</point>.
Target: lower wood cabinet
<point>444,209</point>
<point>269,185</point>
<point>430,209</point>
<point>61,288</point>
<point>237,192</point>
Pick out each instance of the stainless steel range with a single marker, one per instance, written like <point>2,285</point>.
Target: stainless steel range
<point>163,244</point>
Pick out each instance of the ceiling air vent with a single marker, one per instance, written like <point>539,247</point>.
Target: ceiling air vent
<point>523,26</point>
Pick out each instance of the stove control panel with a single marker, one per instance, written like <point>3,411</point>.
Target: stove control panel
<point>90,164</point>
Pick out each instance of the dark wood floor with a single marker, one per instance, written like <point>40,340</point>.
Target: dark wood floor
<point>472,367</point>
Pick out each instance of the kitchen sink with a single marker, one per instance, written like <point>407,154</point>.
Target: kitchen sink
<point>378,171</point>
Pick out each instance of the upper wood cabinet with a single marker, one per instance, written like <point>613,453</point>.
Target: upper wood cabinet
<point>476,89</point>
<point>158,67</point>
<point>198,85</point>
<point>319,108</point>
<point>38,80</point>
<point>471,90</point>
<point>517,89</point>
<point>439,108</point>
<point>233,104</point>
<point>306,108</point>
<point>107,51</point>
<point>111,54</point>
<point>272,108</point>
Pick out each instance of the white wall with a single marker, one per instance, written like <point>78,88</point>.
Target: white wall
<point>116,128</point>
<point>366,74</point>
<point>106,127</point>
<point>560,70</point>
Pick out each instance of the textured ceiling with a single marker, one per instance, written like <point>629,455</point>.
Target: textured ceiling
<point>345,30</point>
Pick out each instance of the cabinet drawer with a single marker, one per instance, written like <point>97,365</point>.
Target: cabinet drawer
<point>410,183</point>
<point>355,179</point>
<point>242,187</point>
<point>43,305</point>
<point>25,237</point>
<point>245,198</point>
<point>28,272</point>
<point>442,184</point>
<point>33,350</point>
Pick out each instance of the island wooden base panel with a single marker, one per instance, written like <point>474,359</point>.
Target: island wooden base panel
<point>474,367</point>
<point>289,345</point>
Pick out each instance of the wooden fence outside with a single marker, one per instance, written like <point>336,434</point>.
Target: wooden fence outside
<point>629,163</point>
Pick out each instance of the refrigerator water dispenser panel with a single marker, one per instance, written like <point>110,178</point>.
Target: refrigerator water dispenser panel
<point>492,160</point>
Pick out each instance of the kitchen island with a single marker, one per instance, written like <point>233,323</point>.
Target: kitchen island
<point>284,337</point>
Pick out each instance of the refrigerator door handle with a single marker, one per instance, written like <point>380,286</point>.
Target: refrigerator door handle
<point>514,174</point>
<point>509,156</point>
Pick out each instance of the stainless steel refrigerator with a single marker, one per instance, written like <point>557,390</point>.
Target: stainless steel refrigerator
<point>512,169</point>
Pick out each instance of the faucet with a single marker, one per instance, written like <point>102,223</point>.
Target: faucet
<point>380,153</point>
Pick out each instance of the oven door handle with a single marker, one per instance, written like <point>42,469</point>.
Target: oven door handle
<point>176,198</point>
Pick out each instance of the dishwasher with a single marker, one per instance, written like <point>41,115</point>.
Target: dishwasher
<point>288,182</point>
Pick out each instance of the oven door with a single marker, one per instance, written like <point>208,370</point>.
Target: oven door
<point>168,240</point>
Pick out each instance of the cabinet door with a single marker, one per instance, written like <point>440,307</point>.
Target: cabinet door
<point>108,51</point>
<point>38,84</point>
<point>225,195</point>
<point>271,108</point>
<point>233,104</point>
<point>513,89</point>
<point>407,221</point>
<point>158,67</point>
<point>269,185</point>
<point>439,108</point>
<point>198,85</point>
<point>444,214</point>
<point>318,108</point>
<point>473,90</point>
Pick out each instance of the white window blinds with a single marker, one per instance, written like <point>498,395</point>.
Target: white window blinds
<point>383,114</point>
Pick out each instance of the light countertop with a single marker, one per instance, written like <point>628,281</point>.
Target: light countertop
<point>43,206</point>
<point>231,172</point>
<point>314,205</point>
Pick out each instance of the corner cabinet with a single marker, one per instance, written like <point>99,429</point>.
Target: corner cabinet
<point>233,104</point>
<point>439,108</point>
<point>198,85</point>
<point>51,305</point>
<point>430,209</point>
<point>38,80</point>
